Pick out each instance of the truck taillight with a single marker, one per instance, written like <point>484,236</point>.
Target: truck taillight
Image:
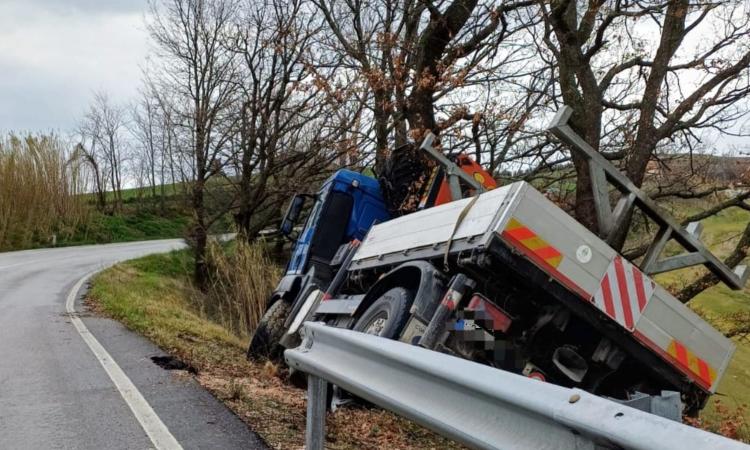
<point>533,372</point>
<point>537,376</point>
<point>485,310</point>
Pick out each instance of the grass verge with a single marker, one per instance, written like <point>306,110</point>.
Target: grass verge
<point>153,296</point>
<point>727,412</point>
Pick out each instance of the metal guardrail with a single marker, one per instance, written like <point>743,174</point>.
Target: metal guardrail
<point>473,404</point>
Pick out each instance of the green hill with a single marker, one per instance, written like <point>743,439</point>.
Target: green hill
<point>727,310</point>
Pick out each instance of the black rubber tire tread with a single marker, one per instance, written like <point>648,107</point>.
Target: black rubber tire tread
<point>403,169</point>
<point>397,302</point>
<point>265,341</point>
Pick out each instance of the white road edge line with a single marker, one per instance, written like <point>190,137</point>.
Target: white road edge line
<point>151,423</point>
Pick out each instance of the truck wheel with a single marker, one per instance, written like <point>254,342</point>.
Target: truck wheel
<point>400,179</point>
<point>265,341</point>
<point>388,315</point>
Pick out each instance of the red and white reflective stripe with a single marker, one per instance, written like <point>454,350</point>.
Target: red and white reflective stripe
<point>624,293</point>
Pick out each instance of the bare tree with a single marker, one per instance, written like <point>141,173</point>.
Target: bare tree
<point>145,128</point>
<point>103,147</point>
<point>284,97</point>
<point>89,157</point>
<point>634,85</point>
<point>199,71</point>
<point>412,55</point>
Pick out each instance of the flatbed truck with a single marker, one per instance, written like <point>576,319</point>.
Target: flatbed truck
<point>504,277</point>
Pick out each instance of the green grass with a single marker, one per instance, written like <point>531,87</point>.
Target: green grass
<point>138,226</point>
<point>153,297</point>
<point>170,190</point>
<point>143,217</point>
<point>124,227</point>
<point>138,193</point>
<point>717,305</point>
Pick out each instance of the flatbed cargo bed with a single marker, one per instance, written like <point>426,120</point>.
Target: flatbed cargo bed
<point>526,231</point>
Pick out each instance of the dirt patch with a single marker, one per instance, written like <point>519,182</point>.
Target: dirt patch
<point>275,409</point>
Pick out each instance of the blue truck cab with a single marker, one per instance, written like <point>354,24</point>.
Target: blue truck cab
<point>344,209</point>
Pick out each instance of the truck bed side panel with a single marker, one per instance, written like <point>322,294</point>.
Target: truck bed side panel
<point>585,257</point>
<point>685,339</point>
<point>434,225</point>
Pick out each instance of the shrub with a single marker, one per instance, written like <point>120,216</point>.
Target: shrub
<point>242,278</point>
<point>39,191</point>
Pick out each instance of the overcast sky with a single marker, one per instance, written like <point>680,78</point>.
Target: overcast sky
<point>55,53</point>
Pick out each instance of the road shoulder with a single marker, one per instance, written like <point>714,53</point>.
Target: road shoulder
<point>193,416</point>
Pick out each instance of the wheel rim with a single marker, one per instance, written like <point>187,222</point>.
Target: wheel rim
<point>376,325</point>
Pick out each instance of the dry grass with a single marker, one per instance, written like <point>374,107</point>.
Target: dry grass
<point>153,297</point>
<point>242,276</point>
<point>38,192</point>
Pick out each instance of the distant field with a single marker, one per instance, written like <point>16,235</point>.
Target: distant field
<point>142,216</point>
<point>104,228</point>
<point>719,305</point>
<point>140,192</point>
<point>136,193</point>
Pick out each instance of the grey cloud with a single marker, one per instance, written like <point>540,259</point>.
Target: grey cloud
<point>55,54</point>
<point>91,7</point>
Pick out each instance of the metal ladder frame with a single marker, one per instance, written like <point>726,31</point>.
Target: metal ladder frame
<point>603,173</point>
<point>453,172</point>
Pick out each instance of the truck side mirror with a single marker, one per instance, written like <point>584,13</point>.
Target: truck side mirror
<point>292,214</point>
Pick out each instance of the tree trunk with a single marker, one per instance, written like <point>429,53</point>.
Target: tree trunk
<point>200,234</point>
<point>242,218</point>
<point>431,49</point>
<point>101,198</point>
<point>581,92</point>
<point>381,116</point>
<point>585,208</point>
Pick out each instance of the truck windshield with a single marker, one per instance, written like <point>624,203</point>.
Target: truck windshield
<point>312,219</point>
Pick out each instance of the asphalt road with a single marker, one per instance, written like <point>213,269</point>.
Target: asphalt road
<point>73,381</point>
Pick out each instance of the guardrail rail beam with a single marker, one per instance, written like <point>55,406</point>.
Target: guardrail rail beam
<point>476,405</point>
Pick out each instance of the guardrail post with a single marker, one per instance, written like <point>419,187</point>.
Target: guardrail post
<point>315,430</point>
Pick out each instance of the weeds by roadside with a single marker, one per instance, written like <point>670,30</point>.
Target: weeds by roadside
<point>38,192</point>
<point>242,276</point>
<point>726,421</point>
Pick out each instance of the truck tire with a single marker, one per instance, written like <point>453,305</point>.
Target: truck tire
<point>265,341</point>
<point>387,316</point>
<point>401,180</point>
